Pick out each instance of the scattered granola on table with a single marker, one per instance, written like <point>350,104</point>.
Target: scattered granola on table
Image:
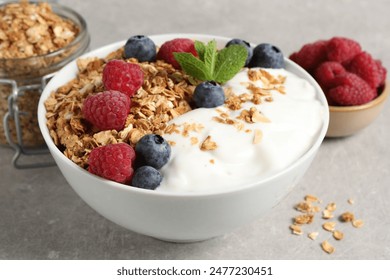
<point>329,226</point>
<point>313,235</point>
<point>327,247</point>
<point>347,217</point>
<point>338,235</point>
<point>309,207</point>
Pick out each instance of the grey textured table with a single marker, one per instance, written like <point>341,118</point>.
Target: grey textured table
<point>41,217</point>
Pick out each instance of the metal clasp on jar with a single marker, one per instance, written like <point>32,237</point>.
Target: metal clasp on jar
<point>15,115</point>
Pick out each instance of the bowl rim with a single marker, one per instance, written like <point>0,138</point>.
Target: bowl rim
<point>377,100</point>
<point>128,188</point>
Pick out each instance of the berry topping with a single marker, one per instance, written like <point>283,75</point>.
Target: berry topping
<point>349,89</point>
<point>208,95</point>
<point>326,73</point>
<point>310,55</point>
<point>342,49</point>
<point>267,56</point>
<point>141,48</point>
<point>176,45</point>
<point>246,45</point>
<point>122,76</point>
<point>366,68</point>
<point>113,162</point>
<point>146,177</point>
<point>107,110</point>
<point>153,150</point>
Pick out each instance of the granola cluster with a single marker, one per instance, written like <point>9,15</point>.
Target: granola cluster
<point>310,207</point>
<point>165,94</point>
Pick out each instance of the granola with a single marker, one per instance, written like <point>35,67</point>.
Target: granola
<point>28,121</point>
<point>327,247</point>
<point>338,235</point>
<point>313,235</point>
<point>347,217</point>
<point>304,219</point>
<point>296,229</point>
<point>357,223</point>
<point>29,31</point>
<point>165,94</point>
<point>328,214</point>
<point>329,226</point>
<point>208,144</point>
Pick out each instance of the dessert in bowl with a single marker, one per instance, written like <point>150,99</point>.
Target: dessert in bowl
<point>197,199</point>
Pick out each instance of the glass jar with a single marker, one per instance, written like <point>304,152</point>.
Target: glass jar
<point>21,83</point>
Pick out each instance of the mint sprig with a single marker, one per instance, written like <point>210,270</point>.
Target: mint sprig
<point>211,64</point>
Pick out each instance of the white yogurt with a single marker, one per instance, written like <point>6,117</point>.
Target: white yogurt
<point>295,120</point>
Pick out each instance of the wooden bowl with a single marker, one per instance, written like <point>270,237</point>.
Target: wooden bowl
<point>347,120</point>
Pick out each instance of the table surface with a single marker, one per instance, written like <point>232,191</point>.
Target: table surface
<point>41,217</point>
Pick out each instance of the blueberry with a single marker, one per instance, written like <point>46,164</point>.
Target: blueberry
<point>146,177</point>
<point>140,47</point>
<point>245,44</point>
<point>267,56</point>
<point>208,95</point>
<point>152,150</point>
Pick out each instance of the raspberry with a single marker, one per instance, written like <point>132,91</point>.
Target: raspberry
<point>342,49</point>
<point>122,76</point>
<point>382,72</point>
<point>107,110</point>
<point>294,57</point>
<point>176,45</point>
<point>366,68</point>
<point>310,55</point>
<point>326,73</point>
<point>350,90</point>
<point>113,162</point>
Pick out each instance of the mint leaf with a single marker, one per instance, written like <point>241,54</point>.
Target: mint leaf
<point>211,64</point>
<point>229,62</point>
<point>200,48</point>
<point>192,65</point>
<point>210,57</point>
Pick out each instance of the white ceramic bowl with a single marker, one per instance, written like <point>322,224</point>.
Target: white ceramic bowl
<point>178,217</point>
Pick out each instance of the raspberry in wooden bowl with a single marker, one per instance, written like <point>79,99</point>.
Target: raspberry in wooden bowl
<point>347,120</point>
<point>353,81</point>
